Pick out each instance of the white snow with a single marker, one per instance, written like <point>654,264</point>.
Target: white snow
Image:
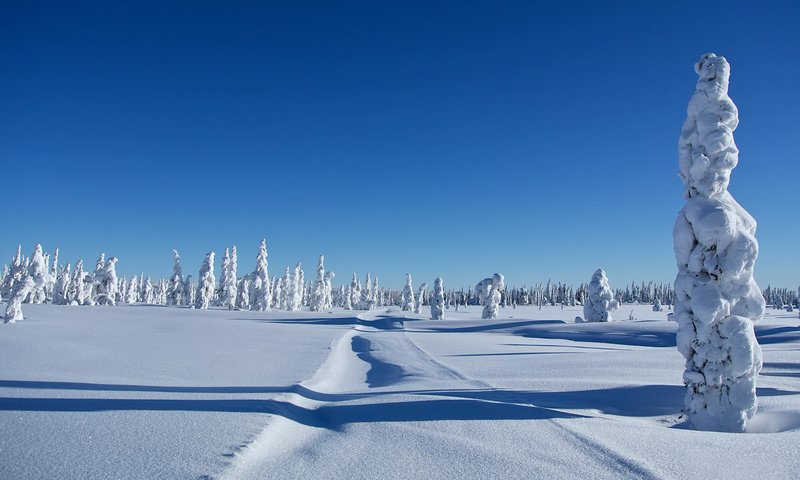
<point>169,392</point>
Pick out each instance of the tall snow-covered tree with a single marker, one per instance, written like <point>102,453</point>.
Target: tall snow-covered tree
<point>407,299</point>
<point>206,287</point>
<point>328,302</point>
<point>189,291</point>
<point>318,290</point>
<point>175,285</point>
<point>717,299</point>
<point>15,274</point>
<point>132,295</point>
<point>437,300</point>
<point>262,290</point>
<point>31,284</point>
<point>355,292</point>
<point>600,301</point>
<point>229,286</point>
<point>420,297</point>
<point>106,283</point>
<point>61,288</point>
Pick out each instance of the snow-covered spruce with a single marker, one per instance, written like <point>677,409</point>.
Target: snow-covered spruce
<point>260,292</point>
<point>105,283</point>
<point>600,301</point>
<point>717,299</point>
<point>437,300</point>
<point>205,287</point>
<point>318,291</point>
<point>407,298</point>
<point>230,288</point>
<point>31,281</point>
<point>175,285</point>
<point>328,302</point>
<point>420,297</point>
<point>488,293</point>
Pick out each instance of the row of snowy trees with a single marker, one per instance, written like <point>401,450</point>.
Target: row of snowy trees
<point>63,285</point>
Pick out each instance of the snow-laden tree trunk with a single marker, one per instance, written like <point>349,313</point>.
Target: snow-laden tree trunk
<point>437,300</point>
<point>600,301</point>
<point>717,299</point>
<point>407,298</point>
<point>205,288</point>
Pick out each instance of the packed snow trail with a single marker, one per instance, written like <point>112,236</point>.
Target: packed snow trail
<point>380,394</point>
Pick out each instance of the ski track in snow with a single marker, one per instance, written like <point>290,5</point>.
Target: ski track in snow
<point>357,363</point>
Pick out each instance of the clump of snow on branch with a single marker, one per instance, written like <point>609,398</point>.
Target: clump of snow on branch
<point>715,248</point>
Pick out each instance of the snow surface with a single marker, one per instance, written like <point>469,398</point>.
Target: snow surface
<point>169,392</point>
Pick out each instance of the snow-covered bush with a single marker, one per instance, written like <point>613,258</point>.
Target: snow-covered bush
<point>488,293</point>
<point>437,300</point>
<point>175,285</point>
<point>407,299</point>
<point>599,299</point>
<point>657,305</point>
<point>717,299</point>
<point>205,286</point>
<point>778,304</point>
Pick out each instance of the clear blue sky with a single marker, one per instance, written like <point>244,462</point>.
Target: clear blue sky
<point>454,139</point>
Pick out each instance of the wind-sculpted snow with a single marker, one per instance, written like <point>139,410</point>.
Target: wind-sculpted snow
<point>717,299</point>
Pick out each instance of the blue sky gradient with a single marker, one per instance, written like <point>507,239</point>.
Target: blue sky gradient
<point>454,139</point>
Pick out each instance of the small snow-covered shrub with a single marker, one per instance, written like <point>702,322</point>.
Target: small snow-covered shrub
<point>488,293</point>
<point>600,301</point>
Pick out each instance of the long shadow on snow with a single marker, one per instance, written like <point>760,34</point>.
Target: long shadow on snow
<point>492,326</point>
<point>104,387</point>
<point>331,417</point>
<point>642,338</point>
<point>772,335</point>
<point>300,321</point>
<point>380,373</point>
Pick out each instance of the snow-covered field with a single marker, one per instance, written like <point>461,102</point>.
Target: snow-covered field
<point>146,392</point>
